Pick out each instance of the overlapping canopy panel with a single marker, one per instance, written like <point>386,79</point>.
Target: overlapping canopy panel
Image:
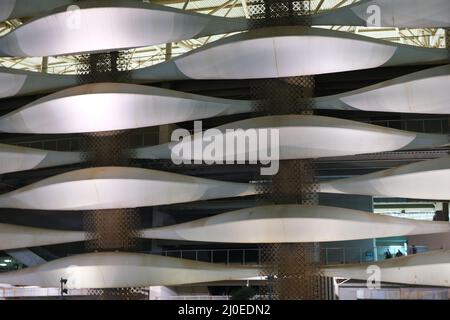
<point>428,269</point>
<point>15,82</point>
<point>16,158</point>
<point>261,53</point>
<point>15,236</point>
<point>273,52</point>
<point>399,13</point>
<point>419,92</point>
<point>121,270</point>
<point>119,187</point>
<point>300,137</point>
<point>263,224</point>
<point>11,9</point>
<point>294,223</point>
<point>114,106</point>
<point>278,52</point>
<point>420,180</point>
<point>100,25</point>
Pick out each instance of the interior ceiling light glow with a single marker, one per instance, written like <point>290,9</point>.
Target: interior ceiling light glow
<point>398,13</point>
<point>118,187</point>
<point>420,92</point>
<point>100,25</point>
<point>421,180</point>
<point>115,106</point>
<point>264,224</point>
<point>293,223</point>
<point>274,52</point>
<point>121,269</point>
<point>302,137</point>
<point>278,52</point>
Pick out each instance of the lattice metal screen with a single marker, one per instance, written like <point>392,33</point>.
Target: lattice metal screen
<point>120,293</point>
<point>292,269</point>
<point>283,96</point>
<point>116,229</point>
<point>265,13</point>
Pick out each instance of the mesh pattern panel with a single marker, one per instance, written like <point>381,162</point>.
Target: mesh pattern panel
<point>266,13</point>
<point>292,269</point>
<point>116,229</point>
<point>120,293</point>
<point>284,95</point>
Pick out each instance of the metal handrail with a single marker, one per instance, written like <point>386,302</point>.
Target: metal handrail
<point>342,255</point>
<point>244,259</point>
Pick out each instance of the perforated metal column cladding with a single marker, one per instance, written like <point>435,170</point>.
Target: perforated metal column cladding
<point>447,38</point>
<point>292,269</point>
<point>116,229</point>
<point>447,45</point>
<point>265,13</point>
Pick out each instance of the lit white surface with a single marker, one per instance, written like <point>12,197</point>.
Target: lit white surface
<point>429,268</point>
<point>114,106</point>
<point>108,26</point>
<point>15,158</point>
<point>294,223</point>
<point>299,51</point>
<point>11,83</point>
<point>420,92</point>
<point>20,82</point>
<point>118,187</point>
<point>120,269</point>
<point>15,236</point>
<point>11,9</point>
<point>274,55</point>
<point>304,136</point>
<point>421,180</point>
<point>285,52</point>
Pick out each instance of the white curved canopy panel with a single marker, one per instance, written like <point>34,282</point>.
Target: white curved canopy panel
<point>421,180</point>
<point>120,269</point>
<point>428,269</point>
<point>15,82</point>
<point>294,223</point>
<point>118,187</point>
<point>114,106</point>
<point>11,9</point>
<point>286,52</point>
<point>103,25</point>
<point>261,53</point>
<point>420,92</point>
<point>391,13</point>
<point>15,158</point>
<point>14,236</point>
<point>300,137</point>
<point>398,13</point>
